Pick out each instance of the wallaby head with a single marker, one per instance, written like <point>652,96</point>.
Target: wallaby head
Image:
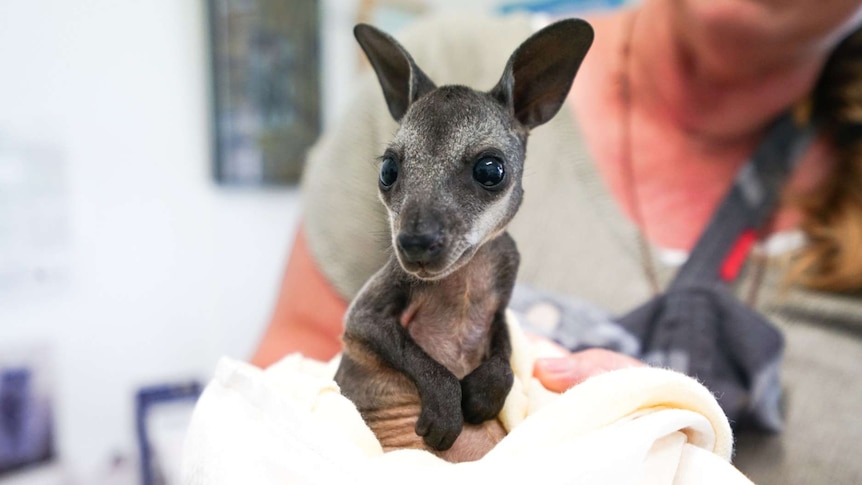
<point>451,177</point>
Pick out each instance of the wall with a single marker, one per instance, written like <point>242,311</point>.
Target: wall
<point>159,271</point>
<point>165,270</point>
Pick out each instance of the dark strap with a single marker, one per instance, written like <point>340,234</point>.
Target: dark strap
<point>698,326</point>
<point>749,203</point>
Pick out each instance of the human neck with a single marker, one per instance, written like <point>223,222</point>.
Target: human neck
<point>692,121</point>
<point>718,89</point>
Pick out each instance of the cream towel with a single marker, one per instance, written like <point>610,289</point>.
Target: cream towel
<point>290,424</point>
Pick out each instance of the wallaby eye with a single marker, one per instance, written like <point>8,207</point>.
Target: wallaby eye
<point>489,172</point>
<point>388,172</point>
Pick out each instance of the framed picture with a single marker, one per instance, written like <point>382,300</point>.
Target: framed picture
<point>26,409</point>
<point>266,89</point>
<point>162,417</point>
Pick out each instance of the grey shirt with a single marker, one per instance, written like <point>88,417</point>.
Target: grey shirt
<point>575,240</point>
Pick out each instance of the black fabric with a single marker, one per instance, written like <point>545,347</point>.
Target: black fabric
<point>697,326</point>
<point>708,334</point>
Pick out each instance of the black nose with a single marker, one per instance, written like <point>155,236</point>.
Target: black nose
<point>420,248</point>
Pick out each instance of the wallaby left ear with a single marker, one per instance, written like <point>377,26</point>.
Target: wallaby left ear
<point>401,79</point>
<point>540,72</point>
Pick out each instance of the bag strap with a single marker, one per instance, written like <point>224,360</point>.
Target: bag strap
<point>748,205</point>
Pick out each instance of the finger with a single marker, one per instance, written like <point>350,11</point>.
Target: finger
<point>608,359</point>
<point>561,374</point>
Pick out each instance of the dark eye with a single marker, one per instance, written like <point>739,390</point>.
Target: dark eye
<point>388,172</point>
<point>488,171</point>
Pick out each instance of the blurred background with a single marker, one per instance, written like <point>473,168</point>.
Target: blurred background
<point>149,153</point>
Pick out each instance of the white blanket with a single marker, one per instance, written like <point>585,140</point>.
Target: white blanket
<point>289,424</point>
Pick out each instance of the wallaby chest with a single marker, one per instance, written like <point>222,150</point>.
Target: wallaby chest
<point>451,318</point>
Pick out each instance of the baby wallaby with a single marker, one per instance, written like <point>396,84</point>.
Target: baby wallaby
<point>426,346</point>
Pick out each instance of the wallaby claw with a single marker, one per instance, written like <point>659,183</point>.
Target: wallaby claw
<point>440,426</point>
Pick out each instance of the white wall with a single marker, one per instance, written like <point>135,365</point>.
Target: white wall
<point>167,271</point>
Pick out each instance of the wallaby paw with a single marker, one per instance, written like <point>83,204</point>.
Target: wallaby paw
<point>484,391</point>
<point>440,429</point>
<point>441,421</point>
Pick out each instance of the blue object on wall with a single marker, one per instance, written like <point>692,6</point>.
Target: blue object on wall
<point>26,431</point>
<point>559,7</point>
<point>146,401</point>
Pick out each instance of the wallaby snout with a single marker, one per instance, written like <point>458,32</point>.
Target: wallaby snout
<point>421,248</point>
<point>427,243</point>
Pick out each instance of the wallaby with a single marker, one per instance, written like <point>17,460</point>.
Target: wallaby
<point>426,346</point>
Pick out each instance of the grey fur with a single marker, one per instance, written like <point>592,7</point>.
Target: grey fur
<point>426,347</point>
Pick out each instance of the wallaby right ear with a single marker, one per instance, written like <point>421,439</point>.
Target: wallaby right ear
<point>540,72</point>
<point>402,80</point>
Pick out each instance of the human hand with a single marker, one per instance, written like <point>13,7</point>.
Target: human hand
<point>561,373</point>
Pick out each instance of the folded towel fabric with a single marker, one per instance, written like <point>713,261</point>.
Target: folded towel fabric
<point>289,424</point>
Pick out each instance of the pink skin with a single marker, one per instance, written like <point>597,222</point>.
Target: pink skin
<point>561,373</point>
<point>706,77</point>
<point>699,107</point>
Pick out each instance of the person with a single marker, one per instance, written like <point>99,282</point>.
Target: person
<point>669,104</point>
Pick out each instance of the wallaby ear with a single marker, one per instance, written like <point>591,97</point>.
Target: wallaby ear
<point>402,80</point>
<point>540,72</point>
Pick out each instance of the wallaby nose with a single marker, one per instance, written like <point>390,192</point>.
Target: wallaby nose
<point>420,248</point>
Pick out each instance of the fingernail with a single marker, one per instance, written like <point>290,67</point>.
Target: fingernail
<point>556,366</point>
